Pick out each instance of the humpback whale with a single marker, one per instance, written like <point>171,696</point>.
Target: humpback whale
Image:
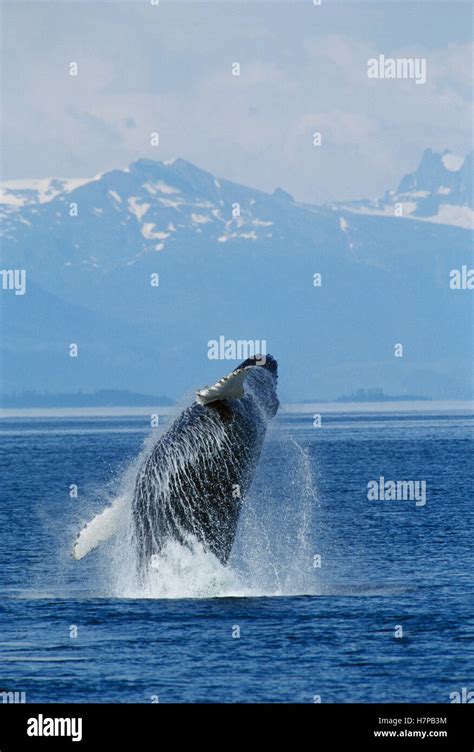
<point>192,484</point>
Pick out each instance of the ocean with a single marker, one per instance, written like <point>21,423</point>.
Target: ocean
<point>329,596</point>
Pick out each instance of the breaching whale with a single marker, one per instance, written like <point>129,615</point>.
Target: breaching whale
<point>192,484</point>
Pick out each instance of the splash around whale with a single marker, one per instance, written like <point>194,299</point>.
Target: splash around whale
<point>191,485</point>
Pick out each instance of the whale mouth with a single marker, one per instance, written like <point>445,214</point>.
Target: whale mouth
<point>229,387</point>
<point>232,385</point>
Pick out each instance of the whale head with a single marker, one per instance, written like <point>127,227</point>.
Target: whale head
<point>262,369</point>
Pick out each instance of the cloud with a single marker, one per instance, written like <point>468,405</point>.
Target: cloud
<point>168,69</point>
<point>92,124</point>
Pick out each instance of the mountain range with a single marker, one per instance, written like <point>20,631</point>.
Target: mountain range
<point>141,267</point>
<point>440,190</point>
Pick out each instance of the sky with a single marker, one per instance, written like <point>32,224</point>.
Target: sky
<point>167,68</point>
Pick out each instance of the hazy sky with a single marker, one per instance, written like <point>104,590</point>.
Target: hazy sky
<point>168,68</point>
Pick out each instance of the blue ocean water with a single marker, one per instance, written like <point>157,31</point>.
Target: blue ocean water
<point>320,581</point>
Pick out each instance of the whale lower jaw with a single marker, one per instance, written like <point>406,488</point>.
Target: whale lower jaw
<point>229,387</point>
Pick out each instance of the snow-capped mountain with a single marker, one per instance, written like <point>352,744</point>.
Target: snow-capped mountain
<point>231,261</point>
<point>17,193</point>
<point>440,191</point>
<point>145,209</point>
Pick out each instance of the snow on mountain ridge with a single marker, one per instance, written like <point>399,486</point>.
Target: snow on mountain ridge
<point>155,195</point>
<point>438,191</point>
<point>135,207</point>
<point>22,191</point>
<point>452,162</point>
<point>437,170</point>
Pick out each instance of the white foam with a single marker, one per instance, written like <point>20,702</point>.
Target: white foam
<point>183,572</point>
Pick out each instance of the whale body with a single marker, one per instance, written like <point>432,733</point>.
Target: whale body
<point>193,482</point>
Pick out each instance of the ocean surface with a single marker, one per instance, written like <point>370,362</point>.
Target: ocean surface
<point>329,596</point>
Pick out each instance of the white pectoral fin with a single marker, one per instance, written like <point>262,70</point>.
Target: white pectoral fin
<point>102,527</point>
<point>229,387</point>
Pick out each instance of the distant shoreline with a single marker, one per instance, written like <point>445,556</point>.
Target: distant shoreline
<point>441,406</point>
<point>112,398</point>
